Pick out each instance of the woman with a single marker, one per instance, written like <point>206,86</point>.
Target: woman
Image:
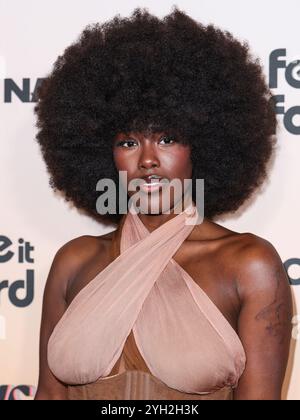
<point>159,308</point>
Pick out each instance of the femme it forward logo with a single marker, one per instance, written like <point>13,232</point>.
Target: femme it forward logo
<point>17,392</point>
<point>277,61</point>
<point>20,291</point>
<point>292,267</point>
<point>22,254</point>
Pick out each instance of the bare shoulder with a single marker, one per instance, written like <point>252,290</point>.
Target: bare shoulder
<point>74,254</point>
<point>252,260</point>
<point>77,249</point>
<point>246,249</point>
<point>258,266</point>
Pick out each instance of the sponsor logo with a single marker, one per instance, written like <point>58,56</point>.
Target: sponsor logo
<point>24,285</point>
<point>277,61</point>
<point>17,392</point>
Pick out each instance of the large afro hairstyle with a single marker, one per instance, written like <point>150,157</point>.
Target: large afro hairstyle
<point>171,74</point>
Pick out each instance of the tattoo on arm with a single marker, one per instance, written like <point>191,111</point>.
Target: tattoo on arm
<point>275,314</point>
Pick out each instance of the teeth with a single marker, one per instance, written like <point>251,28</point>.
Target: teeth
<point>155,178</point>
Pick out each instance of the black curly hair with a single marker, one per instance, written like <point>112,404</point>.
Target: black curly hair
<point>171,74</point>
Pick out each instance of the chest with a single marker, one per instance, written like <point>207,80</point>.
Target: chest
<point>209,269</point>
<point>214,272</point>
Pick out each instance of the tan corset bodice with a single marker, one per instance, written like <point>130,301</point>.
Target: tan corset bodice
<point>130,379</point>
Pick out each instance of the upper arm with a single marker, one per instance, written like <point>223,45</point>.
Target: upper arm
<point>54,305</point>
<point>264,324</point>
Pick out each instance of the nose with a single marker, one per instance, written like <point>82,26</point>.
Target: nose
<point>148,158</point>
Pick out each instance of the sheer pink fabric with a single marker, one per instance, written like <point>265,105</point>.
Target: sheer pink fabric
<point>183,337</point>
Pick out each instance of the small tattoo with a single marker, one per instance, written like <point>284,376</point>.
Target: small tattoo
<point>274,314</point>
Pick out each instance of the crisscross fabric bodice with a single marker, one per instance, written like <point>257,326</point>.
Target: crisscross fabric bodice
<point>183,338</point>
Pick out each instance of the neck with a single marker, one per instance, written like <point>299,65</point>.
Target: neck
<point>154,221</point>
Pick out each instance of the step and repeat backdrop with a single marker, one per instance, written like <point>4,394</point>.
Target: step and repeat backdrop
<point>35,222</point>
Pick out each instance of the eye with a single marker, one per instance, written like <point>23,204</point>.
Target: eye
<point>168,139</point>
<point>122,142</point>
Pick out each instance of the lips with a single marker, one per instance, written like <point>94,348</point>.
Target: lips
<point>154,184</point>
<point>150,180</point>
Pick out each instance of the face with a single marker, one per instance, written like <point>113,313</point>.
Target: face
<point>141,154</point>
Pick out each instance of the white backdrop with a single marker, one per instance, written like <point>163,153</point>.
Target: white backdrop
<point>32,35</point>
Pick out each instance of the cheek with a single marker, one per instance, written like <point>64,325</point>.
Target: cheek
<point>116,158</point>
<point>121,161</point>
<point>186,164</point>
<point>179,163</point>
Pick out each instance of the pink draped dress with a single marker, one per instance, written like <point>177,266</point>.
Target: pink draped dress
<point>143,329</point>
